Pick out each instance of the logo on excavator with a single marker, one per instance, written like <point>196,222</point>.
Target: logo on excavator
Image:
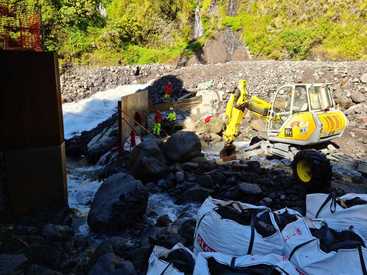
<point>288,132</point>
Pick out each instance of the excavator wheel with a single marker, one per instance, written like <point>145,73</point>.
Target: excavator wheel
<point>312,169</point>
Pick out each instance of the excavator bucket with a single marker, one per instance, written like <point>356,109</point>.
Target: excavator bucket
<point>228,152</point>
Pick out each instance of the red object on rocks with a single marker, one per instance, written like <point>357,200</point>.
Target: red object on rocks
<point>168,89</point>
<point>207,119</point>
<point>158,117</point>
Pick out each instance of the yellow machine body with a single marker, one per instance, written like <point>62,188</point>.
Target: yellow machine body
<point>236,109</point>
<point>316,120</point>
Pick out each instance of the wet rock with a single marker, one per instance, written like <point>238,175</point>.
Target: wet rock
<point>110,264</point>
<point>147,161</point>
<point>41,270</point>
<point>250,188</point>
<point>12,264</point>
<point>103,249</point>
<point>55,232</point>
<point>102,143</point>
<point>180,176</point>
<point>182,146</point>
<point>196,194</point>
<point>253,166</point>
<point>163,221</point>
<point>187,230</point>
<point>266,201</point>
<point>165,237</point>
<point>205,181</point>
<point>190,165</point>
<point>139,257</point>
<point>119,203</point>
<point>46,255</point>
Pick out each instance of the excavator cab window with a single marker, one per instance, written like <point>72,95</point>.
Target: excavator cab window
<point>300,102</point>
<point>281,107</point>
<point>320,98</point>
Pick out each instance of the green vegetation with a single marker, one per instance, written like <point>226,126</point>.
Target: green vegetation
<point>323,29</point>
<point>107,32</point>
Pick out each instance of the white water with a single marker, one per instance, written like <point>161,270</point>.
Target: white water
<point>163,204</point>
<point>87,113</point>
<point>198,25</point>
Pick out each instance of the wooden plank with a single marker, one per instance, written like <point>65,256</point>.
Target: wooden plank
<point>183,105</point>
<point>30,101</point>
<point>130,105</point>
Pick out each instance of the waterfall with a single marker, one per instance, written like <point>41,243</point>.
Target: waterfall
<point>198,26</point>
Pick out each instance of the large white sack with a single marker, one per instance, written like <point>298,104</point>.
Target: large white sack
<point>216,262</point>
<point>216,234</point>
<point>305,251</point>
<point>329,209</point>
<point>159,266</point>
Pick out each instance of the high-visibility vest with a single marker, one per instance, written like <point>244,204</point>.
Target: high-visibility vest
<point>171,116</point>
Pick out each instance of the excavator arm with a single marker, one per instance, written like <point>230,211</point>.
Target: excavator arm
<point>236,108</point>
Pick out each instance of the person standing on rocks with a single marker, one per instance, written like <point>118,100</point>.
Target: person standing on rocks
<point>170,121</point>
<point>157,123</point>
<point>168,91</point>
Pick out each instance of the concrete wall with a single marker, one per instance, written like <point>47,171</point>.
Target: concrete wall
<point>31,135</point>
<point>135,103</point>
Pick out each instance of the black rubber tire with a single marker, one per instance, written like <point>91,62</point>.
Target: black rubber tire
<point>321,171</point>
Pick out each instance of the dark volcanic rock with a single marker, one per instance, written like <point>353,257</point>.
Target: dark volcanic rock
<point>41,270</point>
<point>250,188</point>
<point>182,146</point>
<point>196,194</point>
<point>57,232</point>
<point>110,264</point>
<point>187,230</point>
<point>147,161</point>
<point>119,203</point>
<point>12,264</point>
<point>163,221</point>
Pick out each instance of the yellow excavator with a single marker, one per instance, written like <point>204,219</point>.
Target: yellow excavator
<point>301,120</point>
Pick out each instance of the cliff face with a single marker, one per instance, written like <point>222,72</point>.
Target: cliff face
<point>112,32</point>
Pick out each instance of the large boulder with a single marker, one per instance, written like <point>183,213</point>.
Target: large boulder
<point>12,264</point>
<point>110,264</point>
<point>147,161</point>
<point>182,146</point>
<point>119,203</point>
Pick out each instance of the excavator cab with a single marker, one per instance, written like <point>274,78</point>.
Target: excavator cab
<point>304,114</point>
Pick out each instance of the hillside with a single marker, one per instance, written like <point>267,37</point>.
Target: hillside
<point>111,32</point>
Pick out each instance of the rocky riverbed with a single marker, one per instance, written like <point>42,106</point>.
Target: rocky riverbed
<point>112,227</point>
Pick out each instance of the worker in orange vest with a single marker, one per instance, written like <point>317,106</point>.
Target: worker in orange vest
<point>168,91</point>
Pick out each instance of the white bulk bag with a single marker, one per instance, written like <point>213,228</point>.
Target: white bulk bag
<point>305,251</point>
<point>159,266</point>
<point>215,233</point>
<point>329,208</point>
<point>219,263</point>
